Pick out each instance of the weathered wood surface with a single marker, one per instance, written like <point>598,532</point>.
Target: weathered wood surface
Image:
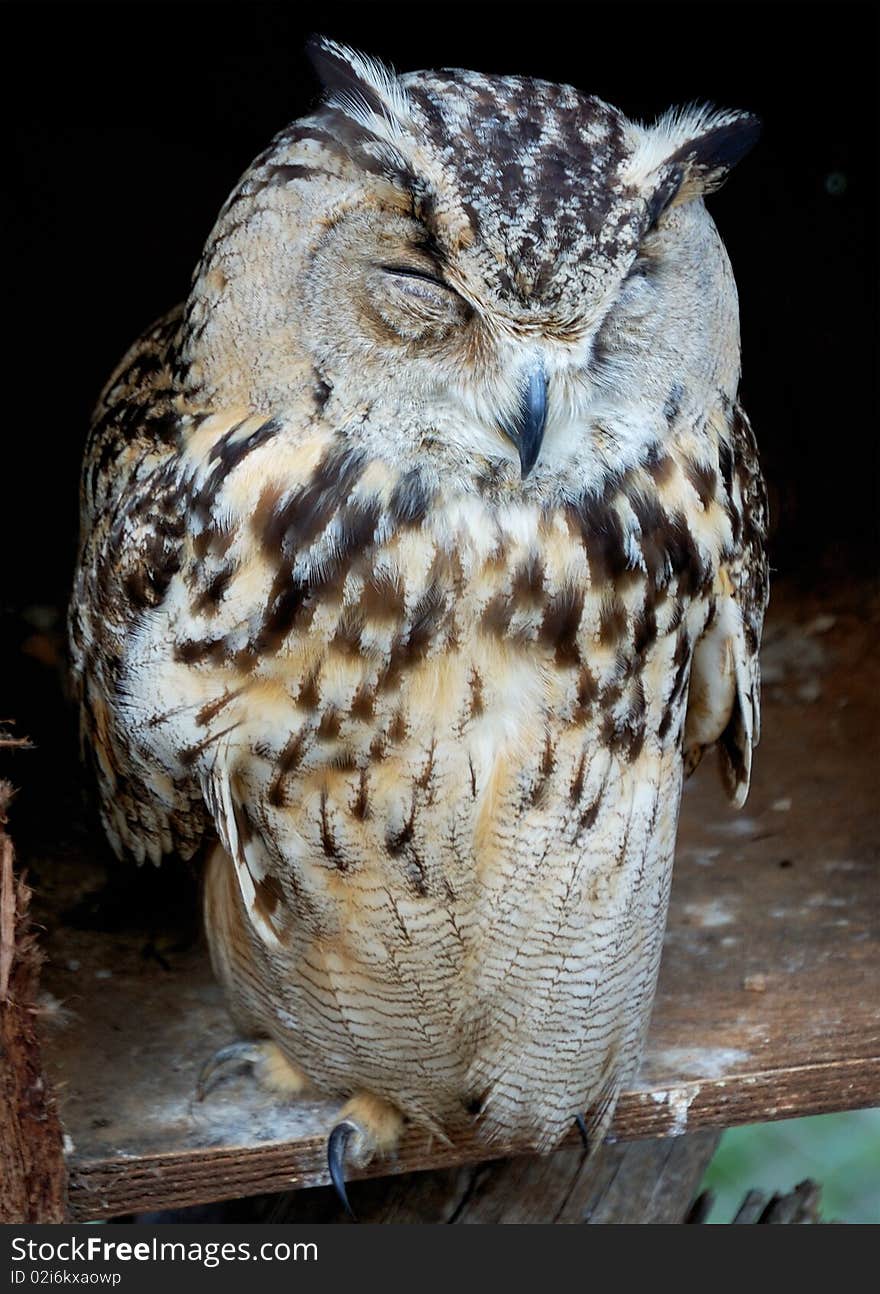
<point>768,1005</point>
<point>633,1181</point>
<point>629,1182</point>
<point>642,1181</point>
<point>33,1176</point>
<point>798,1207</point>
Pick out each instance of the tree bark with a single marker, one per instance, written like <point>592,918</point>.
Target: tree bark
<point>33,1179</point>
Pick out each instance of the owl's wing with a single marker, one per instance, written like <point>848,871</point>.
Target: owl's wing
<point>724,699</point>
<point>130,540</point>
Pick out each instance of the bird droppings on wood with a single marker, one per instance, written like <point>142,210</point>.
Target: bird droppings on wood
<point>755,983</point>
<point>739,827</point>
<point>704,1062</point>
<point>708,913</point>
<point>679,1100</point>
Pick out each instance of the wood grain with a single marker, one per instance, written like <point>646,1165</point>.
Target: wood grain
<point>636,1181</point>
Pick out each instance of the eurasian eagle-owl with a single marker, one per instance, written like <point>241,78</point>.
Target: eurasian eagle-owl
<point>422,554</point>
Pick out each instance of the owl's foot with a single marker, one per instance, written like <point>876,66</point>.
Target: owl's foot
<point>265,1059</point>
<point>368,1126</point>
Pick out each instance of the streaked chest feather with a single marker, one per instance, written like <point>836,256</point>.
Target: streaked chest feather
<point>373,661</point>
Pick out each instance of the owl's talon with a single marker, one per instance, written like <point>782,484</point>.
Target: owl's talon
<point>582,1129</point>
<point>268,1062</point>
<point>337,1144</point>
<point>231,1059</point>
<point>368,1126</point>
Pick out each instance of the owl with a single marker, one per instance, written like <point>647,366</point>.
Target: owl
<point>422,556</point>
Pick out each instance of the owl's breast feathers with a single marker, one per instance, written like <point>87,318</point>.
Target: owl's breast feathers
<point>396,708</point>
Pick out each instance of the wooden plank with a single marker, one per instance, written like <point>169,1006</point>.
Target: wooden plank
<point>767,1006</point>
<point>107,1187</point>
<point>634,1181</point>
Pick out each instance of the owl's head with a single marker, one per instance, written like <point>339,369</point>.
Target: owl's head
<point>491,274</point>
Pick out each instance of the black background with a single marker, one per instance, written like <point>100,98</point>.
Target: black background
<point>125,126</point>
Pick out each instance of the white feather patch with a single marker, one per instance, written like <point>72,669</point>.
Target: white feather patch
<point>249,867</point>
<point>392,124</point>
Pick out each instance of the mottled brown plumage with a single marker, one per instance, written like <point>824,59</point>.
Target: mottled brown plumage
<point>422,553</point>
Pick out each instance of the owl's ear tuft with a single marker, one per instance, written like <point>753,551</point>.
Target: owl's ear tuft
<point>689,152</point>
<point>369,109</point>
<point>359,86</point>
<point>721,140</point>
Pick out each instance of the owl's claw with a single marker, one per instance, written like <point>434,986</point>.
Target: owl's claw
<point>274,1072</point>
<point>231,1059</point>
<point>337,1144</point>
<point>582,1129</point>
<point>368,1125</point>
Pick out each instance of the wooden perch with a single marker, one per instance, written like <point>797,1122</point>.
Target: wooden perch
<point>766,1008</point>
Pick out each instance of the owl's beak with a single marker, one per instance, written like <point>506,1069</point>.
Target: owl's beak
<point>526,428</point>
